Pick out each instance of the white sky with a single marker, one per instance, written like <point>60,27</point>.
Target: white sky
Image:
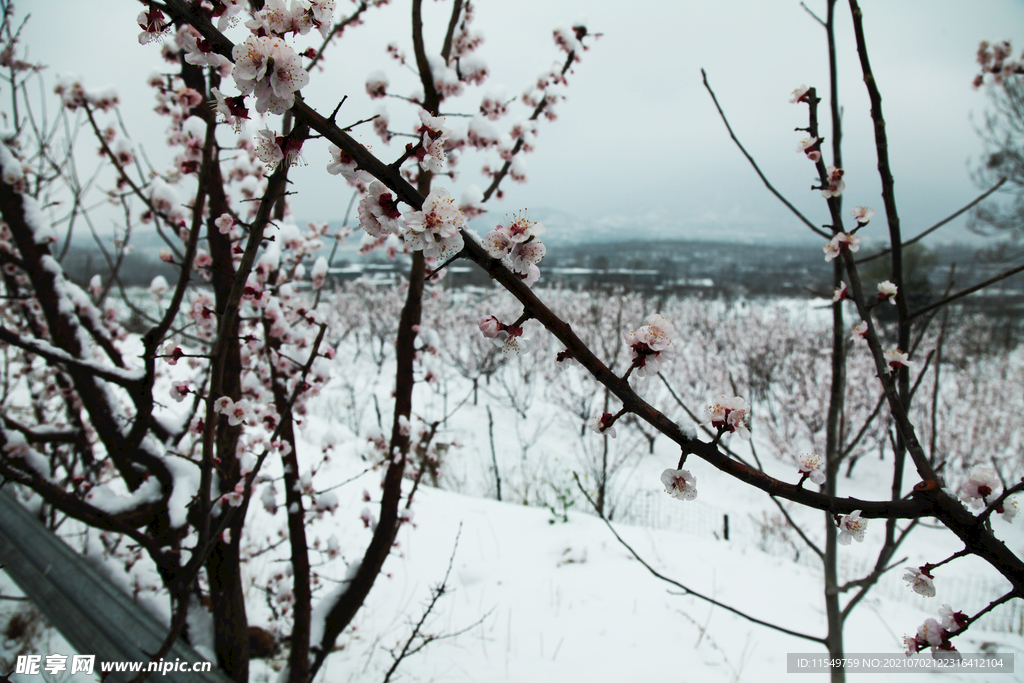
<point>638,144</point>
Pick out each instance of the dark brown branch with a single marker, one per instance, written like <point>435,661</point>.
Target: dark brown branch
<point>928,567</point>
<point>436,593</point>
<point>379,547</point>
<point>31,435</point>
<point>907,440</point>
<point>988,608</point>
<point>815,16</point>
<point>998,502</point>
<point>431,98</point>
<point>446,49</point>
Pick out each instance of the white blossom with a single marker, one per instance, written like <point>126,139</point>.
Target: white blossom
<point>920,581</point>
<point>679,484</point>
<point>862,214</point>
<point>982,486</point>
<point>810,465</point>
<point>342,163</point>
<point>269,68</point>
<point>897,359</point>
<point>602,424</point>
<point>839,242</point>
<point>731,414</point>
<point>651,344</point>
<point>887,290</point>
<point>852,528</point>
<point>378,212</point>
<point>799,95</point>
<point>436,229</point>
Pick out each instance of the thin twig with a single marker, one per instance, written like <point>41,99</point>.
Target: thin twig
<point>675,583</point>
<point>870,579</point>
<point>938,225</point>
<point>970,290</point>
<point>800,532</point>
<point>753,163</point>
<point>410,647</point>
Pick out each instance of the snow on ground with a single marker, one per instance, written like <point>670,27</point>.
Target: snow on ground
<point>564,601</point>
<point>568,602</point>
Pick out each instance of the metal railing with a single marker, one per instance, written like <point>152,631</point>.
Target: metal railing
<point>93,615</point>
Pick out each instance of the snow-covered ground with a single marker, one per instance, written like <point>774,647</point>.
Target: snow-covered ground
<point>564,600</point>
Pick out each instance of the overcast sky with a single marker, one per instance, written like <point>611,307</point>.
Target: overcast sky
<point>638,145</point>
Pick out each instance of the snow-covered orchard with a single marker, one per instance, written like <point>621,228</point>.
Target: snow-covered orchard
<point>304,479</point>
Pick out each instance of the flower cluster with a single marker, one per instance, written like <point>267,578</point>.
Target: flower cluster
<point>936,635</point>
<point>74,95</point>
<point>810,467</point>
<point>839,242</point>
<point>431,153</point>
<point>811,147</point>
<point>268,67</point>
<point>921,581</point>
<point>651,345</point>
<point>277,18</point>
<point>730,414</point>
<point>860,332</point>
<point>237,412</point>
<point>377,85</point>
<point>679,484</point>
<point>436,229</point>
<point>378,212</point>
<point>836,185</point>
<point>995,60</point>
<point>852,528</point>
<point>494,105</point>
<point>520,242</point>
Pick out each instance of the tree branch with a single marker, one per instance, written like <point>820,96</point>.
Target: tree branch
<point>688,591</point>
<point>771,188</point>
<point>970,290</point>
<point>938,225</point>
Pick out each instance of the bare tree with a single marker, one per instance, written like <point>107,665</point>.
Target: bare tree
<point>1002,77</point>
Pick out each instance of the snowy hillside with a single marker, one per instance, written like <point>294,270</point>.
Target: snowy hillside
<point>532,597</point>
